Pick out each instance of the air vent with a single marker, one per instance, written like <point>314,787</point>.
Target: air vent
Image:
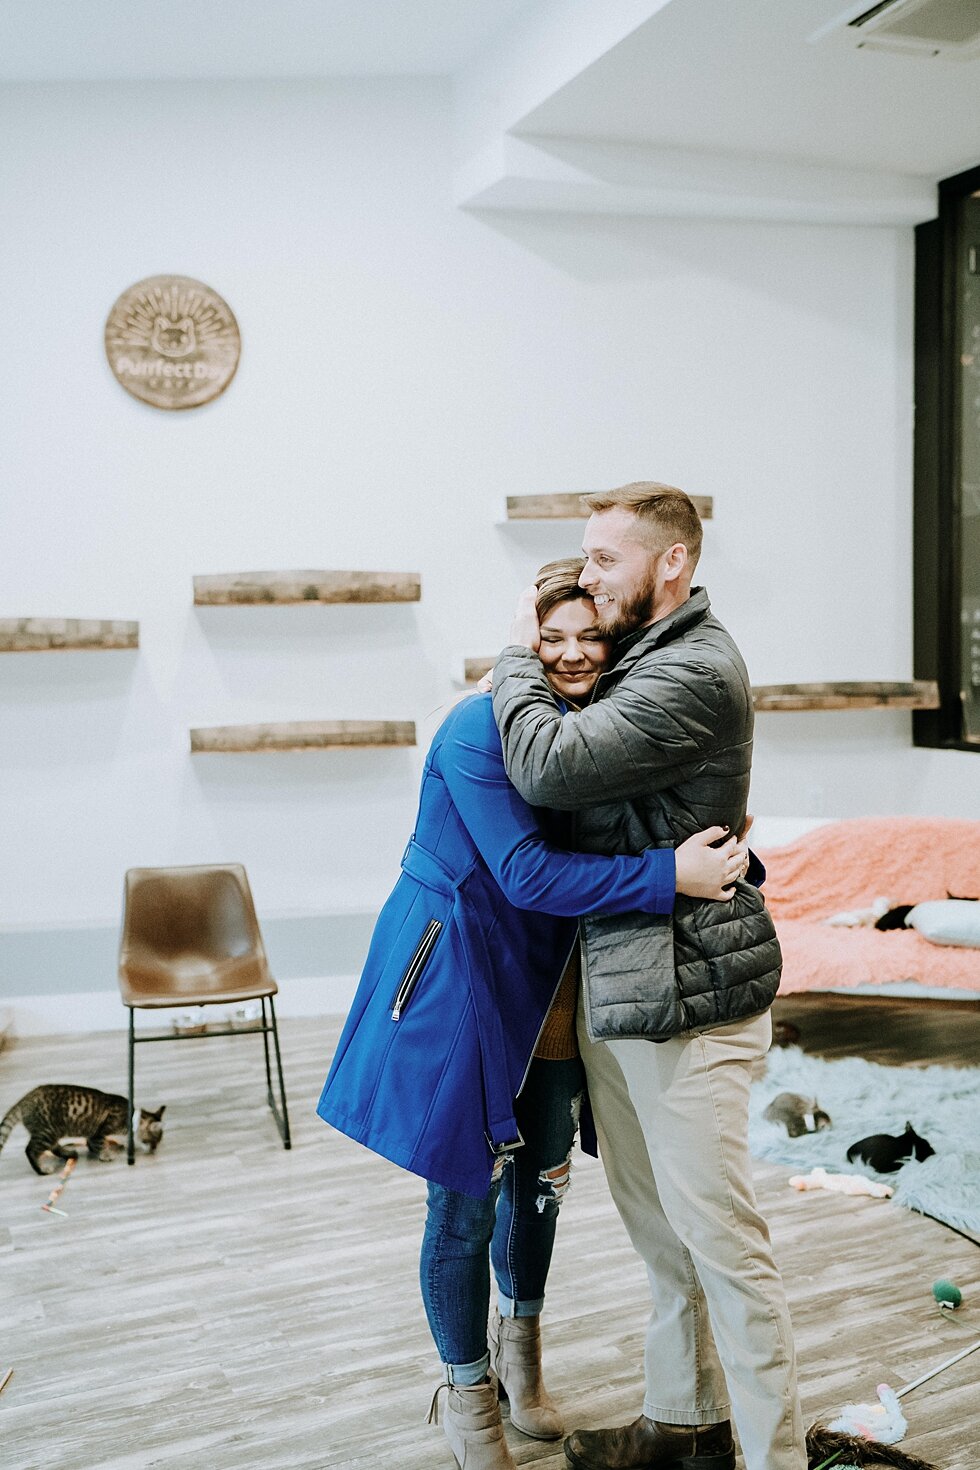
<point>927,28</point>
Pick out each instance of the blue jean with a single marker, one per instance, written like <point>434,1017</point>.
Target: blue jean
<point>513,1226</point>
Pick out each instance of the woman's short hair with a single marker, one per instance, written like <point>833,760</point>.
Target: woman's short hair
<point>557,581</point>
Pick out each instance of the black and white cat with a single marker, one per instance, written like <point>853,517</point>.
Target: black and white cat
<point>60,1110</point>
<point>887,1152</point>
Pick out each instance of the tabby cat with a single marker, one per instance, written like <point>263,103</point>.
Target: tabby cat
<point>799,1114</point>
<point>60,1110</point>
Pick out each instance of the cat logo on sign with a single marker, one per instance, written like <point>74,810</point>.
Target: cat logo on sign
<point>172,342</point>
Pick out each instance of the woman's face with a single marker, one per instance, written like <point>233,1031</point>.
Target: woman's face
<point>574,650</point>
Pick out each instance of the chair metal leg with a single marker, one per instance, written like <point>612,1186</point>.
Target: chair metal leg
<point>282,1119</point>
<point>265,1043</point>
<point>130,1141</point>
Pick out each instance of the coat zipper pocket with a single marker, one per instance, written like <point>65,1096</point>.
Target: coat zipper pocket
<point>415,967</point>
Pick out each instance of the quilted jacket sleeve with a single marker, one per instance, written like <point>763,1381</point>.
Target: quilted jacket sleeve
<point>641,738</point>
<point>531,873</point>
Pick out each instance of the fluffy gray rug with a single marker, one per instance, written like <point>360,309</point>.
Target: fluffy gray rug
<point>942,1103</point>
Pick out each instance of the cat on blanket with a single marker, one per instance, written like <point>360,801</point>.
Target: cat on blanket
<point>886,1152</point>
<point>799,1114</point>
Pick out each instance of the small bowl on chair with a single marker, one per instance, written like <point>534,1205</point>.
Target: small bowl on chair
<point>190,1023</point>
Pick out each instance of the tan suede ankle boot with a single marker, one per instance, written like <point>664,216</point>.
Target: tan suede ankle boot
<point>473,1426</point>
<point>515,1357</point>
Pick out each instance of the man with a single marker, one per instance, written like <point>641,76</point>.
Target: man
<point>664,749</point>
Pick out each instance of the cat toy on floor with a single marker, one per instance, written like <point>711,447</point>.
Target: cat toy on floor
<point>946,1294</point>
<point>865,1434</point>
<point>63,1178</point>
<point>818,1178</point>
<point>827,1451</point>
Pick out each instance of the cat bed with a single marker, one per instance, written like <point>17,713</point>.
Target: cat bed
<point>853,865</point>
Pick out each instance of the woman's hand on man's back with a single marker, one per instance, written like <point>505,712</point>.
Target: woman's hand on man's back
<point>704,871</point>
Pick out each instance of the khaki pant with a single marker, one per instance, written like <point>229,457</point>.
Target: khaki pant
<point>672,1120</point>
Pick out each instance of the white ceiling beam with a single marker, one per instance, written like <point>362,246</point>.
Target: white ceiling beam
<point>571,175</point>
<point>542,50</point>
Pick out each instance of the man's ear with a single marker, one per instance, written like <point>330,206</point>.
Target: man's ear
<point>675,561</point>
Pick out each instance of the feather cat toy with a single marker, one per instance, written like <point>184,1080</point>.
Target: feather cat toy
<point>835,1451</point>
<point>865,1434</point>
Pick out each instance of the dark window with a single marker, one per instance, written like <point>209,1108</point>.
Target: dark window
<point>947,465</point>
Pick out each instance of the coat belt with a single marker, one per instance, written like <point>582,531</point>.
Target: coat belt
<point>428,869</point>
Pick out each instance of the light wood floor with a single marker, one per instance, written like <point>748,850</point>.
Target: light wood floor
<point>226,1305</point>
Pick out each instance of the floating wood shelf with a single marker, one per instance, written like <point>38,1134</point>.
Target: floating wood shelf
<point>44,635</point>
<point>251,588</point>
<point>571,507</point>
<point>302,735</point>
<point>475,668</point>
<point>914,694</point>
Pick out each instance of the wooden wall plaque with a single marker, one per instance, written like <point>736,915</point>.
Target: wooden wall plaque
<point>172,342</point>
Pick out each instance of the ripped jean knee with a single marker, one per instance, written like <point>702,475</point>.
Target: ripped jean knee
<point>553,1185</point>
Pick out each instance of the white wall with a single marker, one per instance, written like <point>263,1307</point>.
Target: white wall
<point>404,367</point>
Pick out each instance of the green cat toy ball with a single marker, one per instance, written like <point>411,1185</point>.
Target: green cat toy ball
<point>947,1294</point>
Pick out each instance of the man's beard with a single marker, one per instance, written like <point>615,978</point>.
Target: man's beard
<point>632,612</point>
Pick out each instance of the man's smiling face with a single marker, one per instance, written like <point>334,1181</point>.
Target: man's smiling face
<point>625,574</point>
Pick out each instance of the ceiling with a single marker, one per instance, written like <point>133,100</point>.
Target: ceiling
<point>136,40</point>
<point>713,78</point>
<point>742,75</point>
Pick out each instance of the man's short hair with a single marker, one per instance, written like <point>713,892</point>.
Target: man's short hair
<point>557,581</point>
<point>668,514</point>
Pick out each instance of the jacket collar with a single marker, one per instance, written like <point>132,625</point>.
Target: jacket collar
<point>691,612</point>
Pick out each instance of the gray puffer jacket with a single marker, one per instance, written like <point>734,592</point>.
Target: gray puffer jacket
<point>663,750</point>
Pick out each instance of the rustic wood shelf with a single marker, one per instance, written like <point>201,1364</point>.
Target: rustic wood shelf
<point>46,635</point>
<point>571,507</point>
<point>913,694</point>
<point>475,668</point>
<point>302,735</point>
<point>255,588</point>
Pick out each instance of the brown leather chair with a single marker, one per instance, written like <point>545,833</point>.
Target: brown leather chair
<point>190,937</point>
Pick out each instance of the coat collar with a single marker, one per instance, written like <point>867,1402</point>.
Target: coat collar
<point>691,612</point>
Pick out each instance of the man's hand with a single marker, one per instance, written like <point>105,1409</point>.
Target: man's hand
<point>525,629</point>
<point>704,871</point>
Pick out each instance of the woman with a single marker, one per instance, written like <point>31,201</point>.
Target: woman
<point>458,1060</point>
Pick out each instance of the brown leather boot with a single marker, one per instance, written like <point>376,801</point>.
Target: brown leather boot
<point>473,1426</point>
<point>515,1357</point>
<point>646,1445</point>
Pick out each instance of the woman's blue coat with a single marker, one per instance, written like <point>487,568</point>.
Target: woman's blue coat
<point>464,963</point>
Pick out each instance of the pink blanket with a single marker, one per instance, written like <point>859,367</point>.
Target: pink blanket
<point>849,865</point>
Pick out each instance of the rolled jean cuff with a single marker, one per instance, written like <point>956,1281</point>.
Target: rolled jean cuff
<point>687,1416</point>
<point>465,1375</point>
<point>510,1308</point>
